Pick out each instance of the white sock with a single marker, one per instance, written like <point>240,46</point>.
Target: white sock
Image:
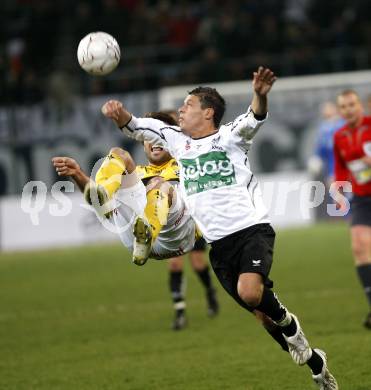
<point>286,320</point>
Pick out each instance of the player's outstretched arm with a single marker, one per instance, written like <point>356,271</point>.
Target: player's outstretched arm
<point>263,80</point>
<point>244,127</point>
<point>141,129</point>
<point>66,166</point>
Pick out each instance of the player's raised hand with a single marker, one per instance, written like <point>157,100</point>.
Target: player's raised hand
<point>65,166</point>
<point>114,110</point>
<point>263,80</point>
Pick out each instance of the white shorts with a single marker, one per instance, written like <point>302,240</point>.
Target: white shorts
<point>176,237</point>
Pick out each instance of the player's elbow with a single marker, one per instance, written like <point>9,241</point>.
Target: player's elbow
<point>125,156</point>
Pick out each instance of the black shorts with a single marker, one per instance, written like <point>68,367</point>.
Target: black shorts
<point>200,245</point>
<point>248,250</point>
<point>360,207</point>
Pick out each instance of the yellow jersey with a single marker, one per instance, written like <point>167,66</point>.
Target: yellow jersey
<point>168,171</point>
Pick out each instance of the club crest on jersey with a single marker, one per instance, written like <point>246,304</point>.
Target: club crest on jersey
<point>188,145</point>
<point>207,171</point>
<point>214,144</point>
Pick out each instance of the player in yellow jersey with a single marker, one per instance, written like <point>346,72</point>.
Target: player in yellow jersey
<point>121,179</point>
<point>142,202</point>
<point>153,214</point>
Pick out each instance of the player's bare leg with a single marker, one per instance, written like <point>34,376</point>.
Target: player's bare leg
<point>176,286</point>
<point>361,248</point>
<point>201,268</point>
<point>252,291</point>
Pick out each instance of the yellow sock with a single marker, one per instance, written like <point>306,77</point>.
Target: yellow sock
<point>157,210</point>
<point>109,174</point>
<point>198,233</point>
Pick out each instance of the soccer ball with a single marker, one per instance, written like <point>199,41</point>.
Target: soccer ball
<point>98,53</point>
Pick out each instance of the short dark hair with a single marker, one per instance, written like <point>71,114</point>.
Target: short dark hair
<point>348,91</point>
<point>210,98</point>
<point>163,116</point>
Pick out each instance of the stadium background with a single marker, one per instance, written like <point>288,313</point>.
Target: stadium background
<point>81,318</point>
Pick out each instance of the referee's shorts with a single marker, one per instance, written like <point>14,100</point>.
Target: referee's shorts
<point>360,207</point>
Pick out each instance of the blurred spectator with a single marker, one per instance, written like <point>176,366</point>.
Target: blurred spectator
<point>84,21</point>
<point>181,25</point>
<point>213,67</point>
<point>321,164</point>
<point>323,160</point>
<point>297,10</point>
<point>165,41</point>
<point>368,104</point>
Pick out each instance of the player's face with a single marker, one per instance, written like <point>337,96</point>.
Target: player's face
<point>156,154</point>
<point>350,108</point>
<point>191,115</point>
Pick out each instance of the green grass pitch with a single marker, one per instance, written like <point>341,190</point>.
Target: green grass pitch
<point>87,318</point>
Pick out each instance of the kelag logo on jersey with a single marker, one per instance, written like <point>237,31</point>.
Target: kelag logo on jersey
<point>207,171</point>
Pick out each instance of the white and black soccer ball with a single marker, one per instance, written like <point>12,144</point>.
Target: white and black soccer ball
<point>98,53</point>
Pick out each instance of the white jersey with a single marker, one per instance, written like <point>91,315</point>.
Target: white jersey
<point>220,191</point>
<point>175,238</point>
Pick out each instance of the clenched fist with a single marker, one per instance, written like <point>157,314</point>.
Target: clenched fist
<point>66,166</point>
<point>114,110</point>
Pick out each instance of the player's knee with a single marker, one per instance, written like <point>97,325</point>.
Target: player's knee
<point>117,150</point>
<point>250,288</point>
<point>198,261</point>
<point>360,251</point>
<point>176,264</point>
<point>251,296</point>
<point>125,156</point>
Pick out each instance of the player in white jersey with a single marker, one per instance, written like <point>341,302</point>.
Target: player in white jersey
<point>224,198</point>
